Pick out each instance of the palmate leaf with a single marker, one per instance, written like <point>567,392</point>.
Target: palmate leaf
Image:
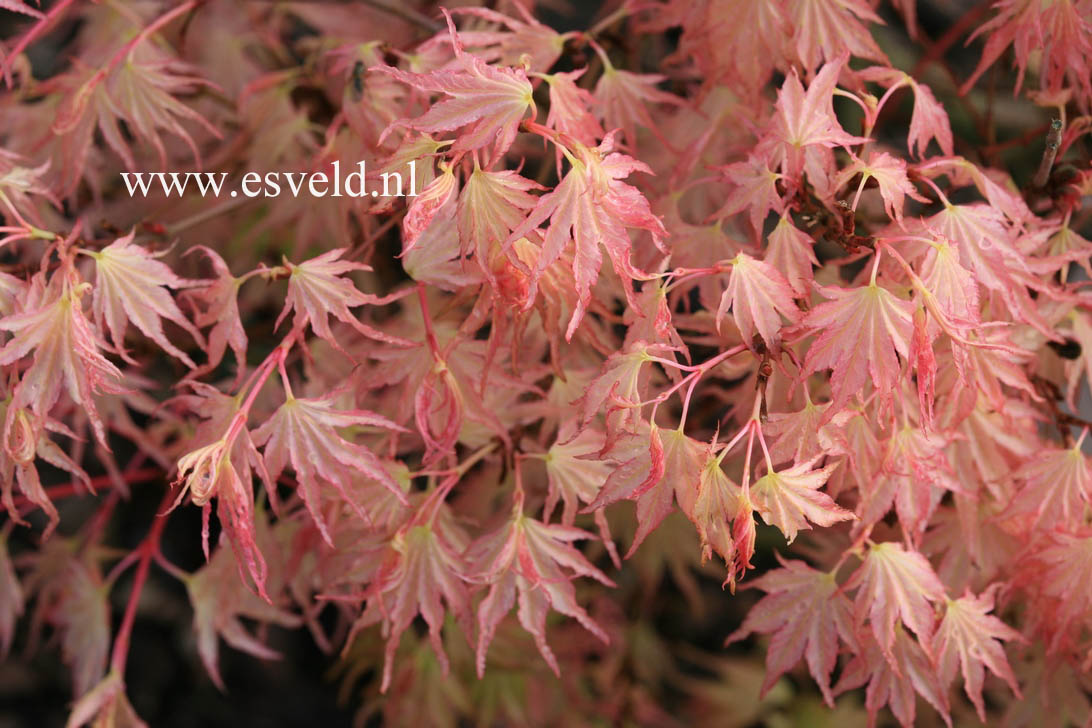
<point>219,602</point>
<point>808,616</point>
<point>131,287</point>
<point>421,571</point>
<point>621,97</point>
<point>790,253</point>
<point>1057,485</point>
<point>318,290</point>
<point>527,559</point>
<point>896,584</point>
<point>754,191</point>
<point>724,516</point>
<point>759,297</point>
<point>138,90</point>
<point>805,121</point>
<point>65,346</point>
<point>589,207</point>
<point>486,102</point>
<point>986,248</point>
<point>860,332</point>
<point>890,174</point>
<point>969,638</point>
<point>928,120</point>
<point>219,308</point>
<point>825,28</point>
<point>304,432</point>
<point>425,206</point>
<point>491,206</point>
<point>898,686</point>
<point>790,498</point>
<point>82,617</point>
<point>575,473</point>
<point>570,108</point>
<point>541,43</point>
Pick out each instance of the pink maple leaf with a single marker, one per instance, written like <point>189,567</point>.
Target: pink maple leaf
<point>928,120</point>
<point>822,29</point>
<point>317,290</point>
<point>790,498</point>
<point>421,570</point>
<point>804,127</point>
<point>305,433</point>
<point>760,298</point>
<point>590,207</point>
<point>861,330</point>
<point>486,102</point>
<point>53,327</point>
<point>807,615</point>
<point>1057,485</point>
<point>527,559</point>
<point>970,638</point>
<point>895,584</point>
<point>131,286</point>
<point>789,250</point>
<point>890,174</point>
<point>896,680</point>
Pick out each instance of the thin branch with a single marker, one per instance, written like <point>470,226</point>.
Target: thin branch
<point>1053,141</point>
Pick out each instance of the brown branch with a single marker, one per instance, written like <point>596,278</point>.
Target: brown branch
<point>1053,141</point>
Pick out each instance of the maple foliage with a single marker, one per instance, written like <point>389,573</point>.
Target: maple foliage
<point>841,354</point>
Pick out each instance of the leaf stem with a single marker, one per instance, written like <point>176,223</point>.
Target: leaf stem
<point>147,550</point>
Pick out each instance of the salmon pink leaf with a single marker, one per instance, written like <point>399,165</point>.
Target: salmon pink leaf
<point>808,616</point>
<point>590,207</point>
<point>317,290</point>
<point>527,559</point>
<point>790,498</point>
<point>862,332</point>
<point>760,298</point>
<point>131,286</point>
<point>896,585</point>
<point>970,638</point>
<point>304,432</point>
<point>486,102</point>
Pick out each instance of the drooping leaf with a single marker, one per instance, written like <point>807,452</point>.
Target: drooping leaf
<point>896,585</point>
<point>219,602</point>
<point>971,639</point>
<point>861,333</point>
<point>420,572</point>
<point>527,559</point>
<point>219,308</point>
<point>131,286</point>
<point>304,432</point>
<point>760,298</point>
<point>590,207</point>
<point>808,616</point>
<point>790,498</point>
<point>65,345</point>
